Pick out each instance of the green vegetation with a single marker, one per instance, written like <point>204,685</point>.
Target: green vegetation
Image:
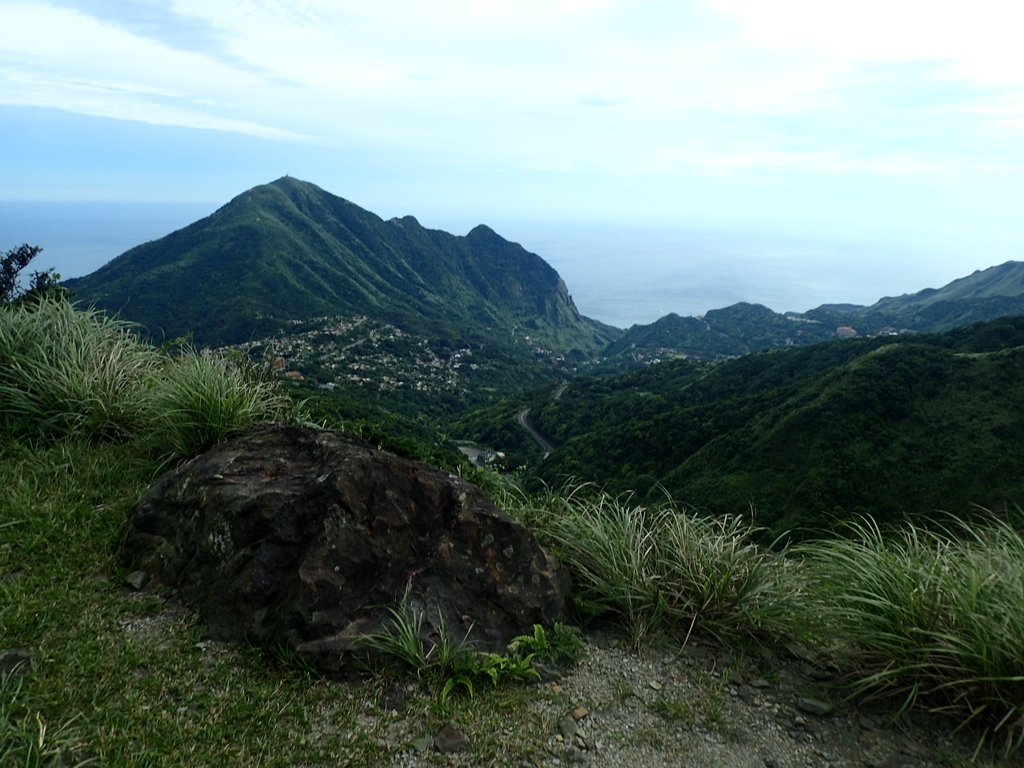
<point>12,264</point>
<point>290,251</point>
<point>421,322</point>
<point>738,329</point>
<point>984,295</point>
<point>743,328</point>
<point>891,427</point>
<point>75,374</point>
<point>126,679</point>
<point>26,740</point>
<point>454,664</point>
<point>934,617</point>
<point>709,709</point>
<point>71,373</point>
<point>200,399</point>
<point>662,568</point>
<point>117,678</point>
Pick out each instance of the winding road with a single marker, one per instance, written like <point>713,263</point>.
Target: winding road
<point>524,422</point>
<point>538,438</point>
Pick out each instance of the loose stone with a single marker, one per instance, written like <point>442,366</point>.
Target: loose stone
<point>451,739</point>
<point>815,707</point>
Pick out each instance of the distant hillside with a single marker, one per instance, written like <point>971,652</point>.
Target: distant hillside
<point>889,426</point>
<point>743,328</point>
<point>983,295</point>
<point>290,251</point>
<point>729,332</point>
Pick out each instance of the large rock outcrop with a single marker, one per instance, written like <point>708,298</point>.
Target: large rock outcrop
<point>304,539</point>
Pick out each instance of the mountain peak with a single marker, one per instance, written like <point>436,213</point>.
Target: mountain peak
<point>483,232</point>
<point>289,250</point>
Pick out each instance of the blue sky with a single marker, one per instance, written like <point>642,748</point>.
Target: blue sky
<point>872,119</point>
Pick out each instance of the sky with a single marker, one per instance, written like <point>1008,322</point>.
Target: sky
<point>890,128</point>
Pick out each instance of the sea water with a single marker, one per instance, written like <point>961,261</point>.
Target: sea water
<point>619,274</point>
<point>79,238</point>
<point>624,275</point>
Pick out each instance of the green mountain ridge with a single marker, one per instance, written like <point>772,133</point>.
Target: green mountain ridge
<point>731,331</point>
<point>394,323</point>
<point>891,426</point>
<point>291,251</point>
<point>743,328</point>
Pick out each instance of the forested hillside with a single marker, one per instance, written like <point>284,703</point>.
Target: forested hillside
<point>890,426</point>
<point>290,251</point>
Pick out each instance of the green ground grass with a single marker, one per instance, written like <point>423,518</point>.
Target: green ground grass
<point>123,679</point>
<point>120,678</point>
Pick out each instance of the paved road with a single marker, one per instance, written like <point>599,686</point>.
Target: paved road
<point>537,436</point>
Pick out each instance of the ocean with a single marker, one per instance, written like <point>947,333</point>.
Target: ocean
<point>621,275</point>
<point>625,276</point>
<point>79,238</point>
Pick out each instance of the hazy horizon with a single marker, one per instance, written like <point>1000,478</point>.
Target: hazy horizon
<point>617,273</point>
<point>869,130</point>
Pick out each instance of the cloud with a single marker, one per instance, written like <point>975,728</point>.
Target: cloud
<point>645,87</point>
<point>152,19</point>
<point>593,100</point>
<point>63,59</point>
<point>978,40</point>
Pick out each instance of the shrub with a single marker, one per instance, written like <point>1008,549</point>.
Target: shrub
<point>73,373</point>
<point>933,617</point>
<point>661,567</point>
<point>198,399</point>
<point>68,372</point>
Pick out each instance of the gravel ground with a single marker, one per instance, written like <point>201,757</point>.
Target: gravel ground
<point>621,708</point>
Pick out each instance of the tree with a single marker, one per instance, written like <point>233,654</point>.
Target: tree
<point>40,284</point>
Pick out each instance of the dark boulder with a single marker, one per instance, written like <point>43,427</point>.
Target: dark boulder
<point>302,539</point>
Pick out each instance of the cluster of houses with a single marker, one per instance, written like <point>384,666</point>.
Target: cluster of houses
<point>332,350</point>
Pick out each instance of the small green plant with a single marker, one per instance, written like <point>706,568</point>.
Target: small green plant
<point>709,705</point>
<point>678,709</point>
<point>401,638</point>
<point>559,645</point>
<point>463,680</point>
<point>624,689</point>
<point>291,659</point>
<point>501,668</point>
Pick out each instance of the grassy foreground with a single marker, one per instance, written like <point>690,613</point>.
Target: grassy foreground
<point>88,416</point>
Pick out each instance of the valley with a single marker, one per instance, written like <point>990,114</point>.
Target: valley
<point>733,483</point>
<point>417,339</point>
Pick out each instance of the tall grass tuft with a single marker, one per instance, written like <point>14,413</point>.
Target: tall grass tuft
<point>81,374</point>
<point>67,372</point>
<point>198,398</point>
<point>661,567</point>
<point>935,618</point>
